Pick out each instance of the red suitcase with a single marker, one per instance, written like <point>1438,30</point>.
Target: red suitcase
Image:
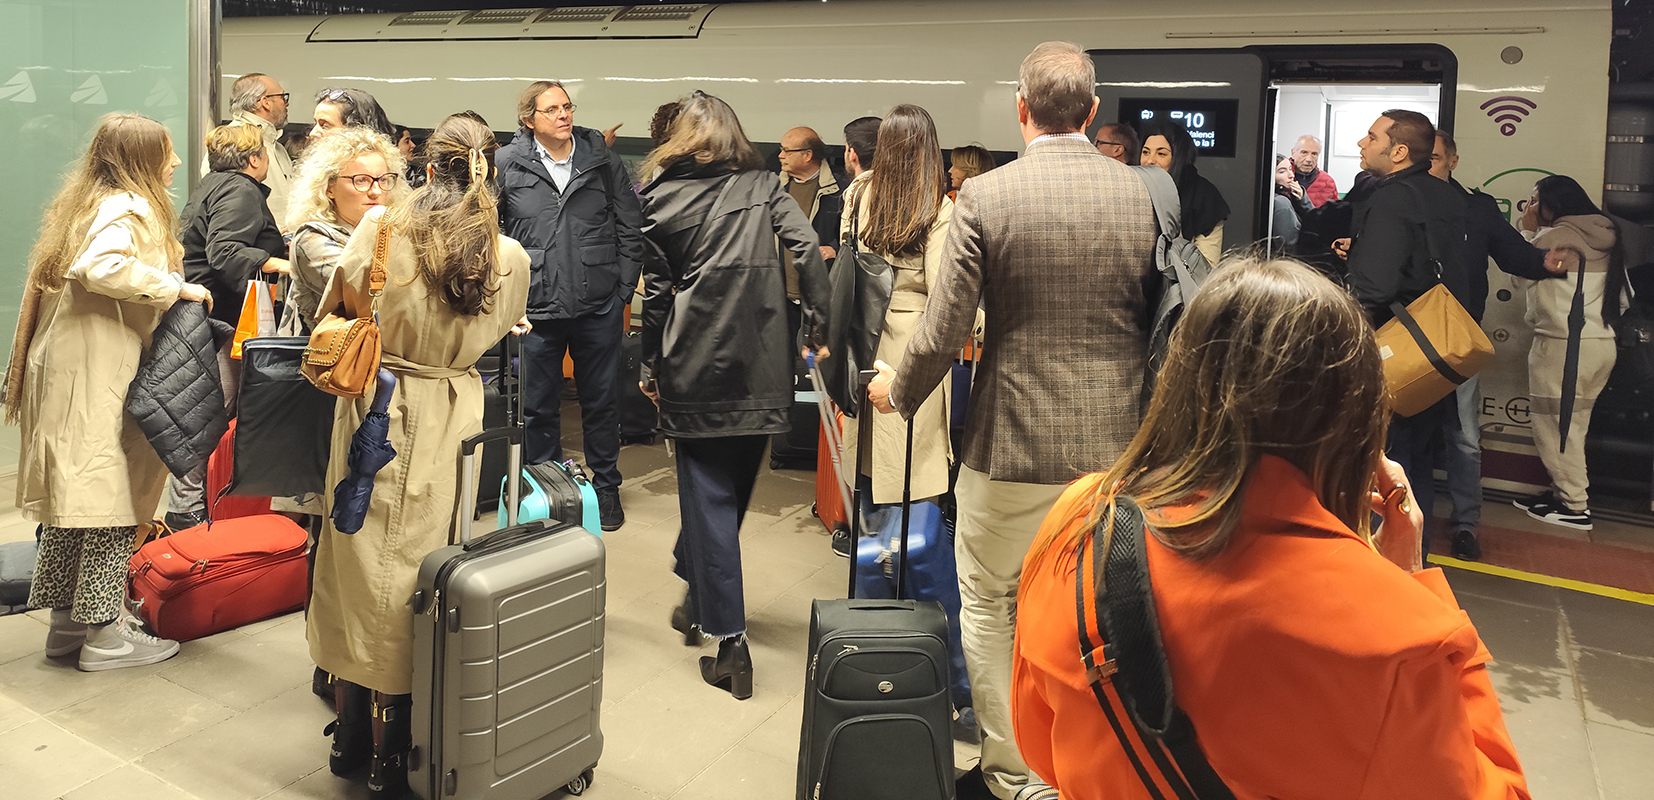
<point>202,581</point>
<point>829,506</point>
<point>220,468</point>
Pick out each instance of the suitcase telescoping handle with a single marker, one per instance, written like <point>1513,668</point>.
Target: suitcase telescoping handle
<point>829,427</point>
<point>512,434</point>
<point>864,461</point>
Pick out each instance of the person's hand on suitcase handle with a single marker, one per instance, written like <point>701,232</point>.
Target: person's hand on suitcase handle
<point>523,326</point>
<point>879,390</point>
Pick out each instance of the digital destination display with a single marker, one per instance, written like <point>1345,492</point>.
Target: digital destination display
<point>1211,122</point>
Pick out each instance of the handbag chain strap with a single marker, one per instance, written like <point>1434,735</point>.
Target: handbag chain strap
<point>376,271</point>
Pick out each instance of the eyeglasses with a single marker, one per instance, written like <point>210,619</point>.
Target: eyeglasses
<point>795,149</point>
<point>556,110</point>
<point>1100,143</point>
<point>365,182</point>
<point>284,96</point>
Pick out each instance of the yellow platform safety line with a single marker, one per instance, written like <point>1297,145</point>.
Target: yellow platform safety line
<point>1546,580</point>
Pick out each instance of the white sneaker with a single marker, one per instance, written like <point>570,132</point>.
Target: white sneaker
<point>123,643</point>
<point>66,635</point>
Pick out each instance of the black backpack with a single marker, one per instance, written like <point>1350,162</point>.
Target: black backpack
<point>1133,659</point>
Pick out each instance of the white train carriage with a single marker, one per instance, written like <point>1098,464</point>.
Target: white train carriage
<point>1521,83</point>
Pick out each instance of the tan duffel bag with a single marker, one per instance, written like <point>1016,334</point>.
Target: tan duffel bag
<point>1429,348</point>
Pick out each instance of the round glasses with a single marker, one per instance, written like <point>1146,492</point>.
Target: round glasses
<point>365,182</point>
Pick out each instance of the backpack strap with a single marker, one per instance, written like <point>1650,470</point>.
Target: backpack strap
<point>1134,658</point>
<point>1163,193</point>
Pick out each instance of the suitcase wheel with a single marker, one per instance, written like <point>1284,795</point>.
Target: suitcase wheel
<point>815,512</point>
<point>579,784</point>
<point>775,463</point>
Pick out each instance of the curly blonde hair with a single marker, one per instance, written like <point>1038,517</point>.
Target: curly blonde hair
<point>322,161</point>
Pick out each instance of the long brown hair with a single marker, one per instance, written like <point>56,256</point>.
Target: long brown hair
<point>909,185</point>
<point>128,153</point>
<point>1270,359</point>
<point>706,131</point>
<point>451,220</point>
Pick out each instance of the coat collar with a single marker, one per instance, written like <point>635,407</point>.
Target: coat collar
<point>826,181</point>
<point>1279,498</point>
<point>1062,144</point>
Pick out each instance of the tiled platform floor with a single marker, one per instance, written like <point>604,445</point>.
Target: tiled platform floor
<point>232,717</point>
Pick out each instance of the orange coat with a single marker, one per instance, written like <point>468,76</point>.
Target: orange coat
<point>1310,666</point>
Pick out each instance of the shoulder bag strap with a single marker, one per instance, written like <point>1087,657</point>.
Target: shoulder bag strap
<point>376,271</point>
<point>1123,600</point>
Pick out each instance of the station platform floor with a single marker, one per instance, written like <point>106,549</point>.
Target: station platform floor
<point>232,717</point>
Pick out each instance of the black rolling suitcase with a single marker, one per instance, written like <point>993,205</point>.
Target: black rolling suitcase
<point>796,449</point>
<point>639,418</point>
<point>508,656</point>
<point>499,391</point>
<point>876,711</point>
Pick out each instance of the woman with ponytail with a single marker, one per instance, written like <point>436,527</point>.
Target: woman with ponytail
<point>454,288</point>
<point>106,265</point>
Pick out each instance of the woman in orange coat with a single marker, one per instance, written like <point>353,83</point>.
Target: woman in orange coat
<point>1314,660</point>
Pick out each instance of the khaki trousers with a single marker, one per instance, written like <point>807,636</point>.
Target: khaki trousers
<point>997,524</point>
<point>1545,361</point>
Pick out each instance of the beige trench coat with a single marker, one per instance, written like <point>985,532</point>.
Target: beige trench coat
<point>83,463</point>
<point>932,449</point>
<point>360,628</point>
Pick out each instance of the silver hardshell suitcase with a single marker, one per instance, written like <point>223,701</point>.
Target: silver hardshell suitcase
<point>508,655</point>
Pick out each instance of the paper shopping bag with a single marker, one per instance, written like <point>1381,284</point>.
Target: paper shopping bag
<point>258,315</point>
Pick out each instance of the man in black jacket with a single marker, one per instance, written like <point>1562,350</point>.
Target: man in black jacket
<point>1488,234</point>
<point>568,200</point>
<point>1410,220</point>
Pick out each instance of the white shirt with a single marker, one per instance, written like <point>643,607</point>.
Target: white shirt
<point>1042,137</point>
<point>560,171</point>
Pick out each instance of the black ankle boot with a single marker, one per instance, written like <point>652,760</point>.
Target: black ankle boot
<point>321,683</point>
<point>351,729</point>
<point>732,669</point>
<point>392,738</point>
<point>684,625</point>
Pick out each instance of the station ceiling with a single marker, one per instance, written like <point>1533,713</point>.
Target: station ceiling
<point>280,8</point>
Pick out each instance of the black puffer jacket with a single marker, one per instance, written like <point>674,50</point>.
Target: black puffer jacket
<point>714,308</point>
<point>177,396</point>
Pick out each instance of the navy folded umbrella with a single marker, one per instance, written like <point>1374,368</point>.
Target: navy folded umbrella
<point>370,451</point>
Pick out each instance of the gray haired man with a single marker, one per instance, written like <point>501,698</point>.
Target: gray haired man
<point>257,99</point>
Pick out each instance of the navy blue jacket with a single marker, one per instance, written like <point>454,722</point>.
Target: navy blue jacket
<point>1489,235</point>
<point>585,243</point>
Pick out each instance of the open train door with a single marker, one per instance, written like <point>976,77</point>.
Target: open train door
<point>1220,96</point>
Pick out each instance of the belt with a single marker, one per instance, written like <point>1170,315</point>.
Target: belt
<point>904,300</point>
<point>402,367</point>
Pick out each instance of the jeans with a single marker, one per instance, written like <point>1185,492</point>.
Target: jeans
<point>1463,456</point>
<point>1412,445</point>
<point>715,478</point>
<point>595,343</point>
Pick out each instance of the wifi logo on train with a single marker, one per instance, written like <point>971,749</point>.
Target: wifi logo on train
<point>1509,110</point>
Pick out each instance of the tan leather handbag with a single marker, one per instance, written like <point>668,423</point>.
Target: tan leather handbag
<point>343,355</point>
<point>1429,348</point>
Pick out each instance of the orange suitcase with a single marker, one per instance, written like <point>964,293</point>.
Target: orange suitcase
<point>829,505</point>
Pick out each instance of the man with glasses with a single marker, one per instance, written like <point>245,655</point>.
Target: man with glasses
<point>1118,141</point>
<point>256,99</point>
<point>569,201</point>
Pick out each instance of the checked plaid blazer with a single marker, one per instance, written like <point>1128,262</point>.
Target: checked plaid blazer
<point>1057,247</point>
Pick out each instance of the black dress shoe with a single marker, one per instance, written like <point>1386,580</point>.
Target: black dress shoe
<point>184,520</point>
<point>1465,546</point>
<point>972,786</point>
<point>841,542</point>
<point>609,513</point>
<point>732,669</point>
<point>684,625</point>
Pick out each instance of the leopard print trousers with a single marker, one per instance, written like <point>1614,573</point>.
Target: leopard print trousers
<point>83,569</point>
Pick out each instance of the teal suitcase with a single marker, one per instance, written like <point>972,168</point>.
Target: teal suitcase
<point>555,492</point>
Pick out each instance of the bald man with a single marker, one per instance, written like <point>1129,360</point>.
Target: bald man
<point>806,176</point>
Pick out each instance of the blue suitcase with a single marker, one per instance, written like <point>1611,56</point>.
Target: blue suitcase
<point>556,492</point>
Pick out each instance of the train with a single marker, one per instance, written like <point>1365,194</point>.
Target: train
<point>1522,84</point>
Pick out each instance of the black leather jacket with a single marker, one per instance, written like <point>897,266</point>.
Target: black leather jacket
<point>228,233</point>
<point>583,243</point>
<point>714,305</point>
